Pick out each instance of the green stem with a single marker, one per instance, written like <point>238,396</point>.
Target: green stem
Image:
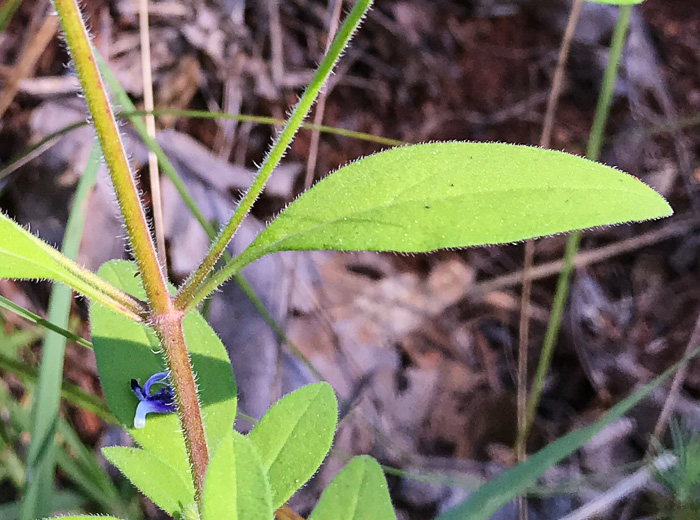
<point>164,318</point>
<point>169,330</point>
<point>545,141</point>
<point>278,150</point>
<point>572,245</point>
<point>106,128</point>
<point>121,98</point>
<point>595,139</point>
<point>214,281</point>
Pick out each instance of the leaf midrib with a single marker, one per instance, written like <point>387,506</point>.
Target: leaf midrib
<point>270,247</point>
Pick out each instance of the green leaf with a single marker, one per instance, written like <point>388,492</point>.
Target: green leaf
<point>153,476</point>
<point>127,350</point>
<point>85,517</point>
<point>294,437</point>
<point>441,195</point>
<point>24,257</point>
<point>616,2</point>
<point>236,485</point>
<point>358,492</point>
<point>493,495</point>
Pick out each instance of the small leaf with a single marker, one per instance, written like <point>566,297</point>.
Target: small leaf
<point>153,476</point>
<point>294,437</point>
<point>236,486</point>
<point>25,257</point>
<point>358,492</point>
<point>442,195</point>
<point>126,350</point>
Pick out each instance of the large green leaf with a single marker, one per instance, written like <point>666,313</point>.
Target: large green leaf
<point>127,350</point>
<point>25,257</point>
<point>236,485</point>
<point>358,492</point>
<point>153,476</point>
<point>294,437</point>
<point>440,195</point>
<point>493,495</point>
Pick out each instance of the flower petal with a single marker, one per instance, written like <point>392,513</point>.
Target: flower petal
<point>146,407</point>
<point>136,388</point>
<point>157,378</point>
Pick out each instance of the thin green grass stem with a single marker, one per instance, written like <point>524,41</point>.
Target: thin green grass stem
<point>45,143</point>
<point>74,459</point>
<point>272,121</point>
<point>572,245</point>
<point>41,458</point>
<point>272,159</point>
<point>73,394</point>
<point>38,320</point>
<point>37,149</point>
<point>595,140</point>
<point>272,323</point>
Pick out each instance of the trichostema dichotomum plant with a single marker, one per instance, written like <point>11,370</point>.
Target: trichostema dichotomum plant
<point>419,198</point>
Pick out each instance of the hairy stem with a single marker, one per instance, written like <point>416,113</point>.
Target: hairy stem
<point>169,330</point>
<point>163,317</point>
<point>345,33</point>
<point>106,128</point>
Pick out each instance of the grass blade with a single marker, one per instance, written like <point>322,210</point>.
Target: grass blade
<point>493,495</point>
<point>63,500</point>
<point>35,318</point>
<point>73,394</point>
<point>73,458</point>
<point>41,458</point>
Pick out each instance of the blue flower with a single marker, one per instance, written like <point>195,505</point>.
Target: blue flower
<point>160,401</point>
